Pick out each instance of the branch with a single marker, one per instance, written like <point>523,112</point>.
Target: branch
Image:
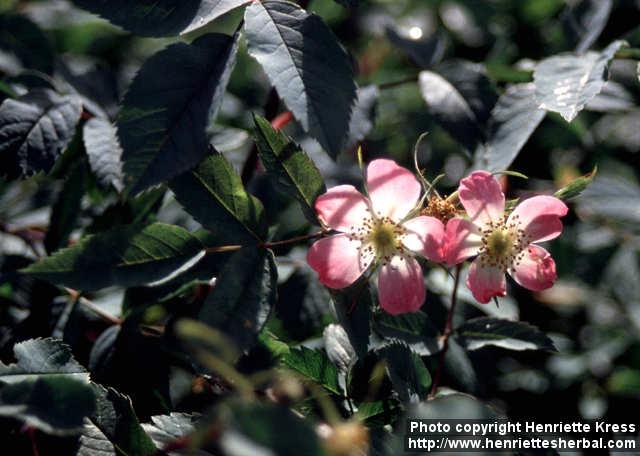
<point>448,329</point>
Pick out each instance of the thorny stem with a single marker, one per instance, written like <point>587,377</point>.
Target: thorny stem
<point>448,329</point>
<point>267,245</point>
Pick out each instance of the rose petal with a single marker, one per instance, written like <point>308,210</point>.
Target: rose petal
<point>337,261</point>
<point>401,286</point>
<point>486,282</point>
<point>481,196</point>
<point>539,216</point>
<point>394,190</point>
<point>537,270</point>
<point>462,240</point>
<point>425,235</point>
<point>342,207</point>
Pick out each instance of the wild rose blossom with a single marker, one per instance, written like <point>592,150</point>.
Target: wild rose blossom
<point>373,231</point>
<point>503,244</point>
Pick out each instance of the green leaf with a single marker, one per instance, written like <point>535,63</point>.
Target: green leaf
<point>243,297</point>
<point>162,122</point>
<point>378,413</point>
<point>54,404</point>
<point>414,329</point>
<point>37,357</point>
<point>565,83</point>
<point>314,365</point>
<point>115,418</point>
<point>104,151</point>
<point>66,209</point>
<point>165,18</point>
<point>408,374</point>
<point>166,429</point>
<point>214,195</point>
<point>296,49</point>
<point>261,430</point>
<point>576,187</point>
<point>624,381</point>
<point>42,384</point>
<point>513,120</point>
<point>450,109</point>
<point>290,167</point>
<point>124,256</point>
<point>353,309</point>
<point>35,129</point>
<point>93,442</point>
<point>512,335</point>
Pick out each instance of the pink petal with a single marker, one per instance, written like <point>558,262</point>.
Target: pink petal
<point>337,261</point>
<point>481,196</point>
<point>539,216</point>
<point>485,282</point>
<point>342,207</point>
<point>537,270</point>
<point>462,240</point>
<point>425,235</point>
<point>401,286</point>
<point>394,190</point>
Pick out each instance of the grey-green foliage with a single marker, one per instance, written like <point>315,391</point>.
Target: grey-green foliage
<point>307,66</point>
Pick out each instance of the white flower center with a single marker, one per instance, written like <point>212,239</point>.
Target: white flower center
<point>503,245</point>
<point>380,237</point>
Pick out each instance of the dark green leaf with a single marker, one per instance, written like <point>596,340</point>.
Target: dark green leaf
<point>37,357</point>
<point>166,429</point>
<point>93,442</point>
<point>262,430</point>
<point>66,209</point>
<point>576,187</point>
<point>295,49</point>
<point>409,376</point>
<point>165,18</point>
<point>565,83</point>
<point>115,418</point>
<point>513,119</point>
<point>450,109</point>
<point>39,387</point>
<point>512,335</point>
<point>45,403</point>
<point>291,168</point>
<point>35,129</point>
<point>243,297</point>
<point>314,365</point>
<point>414,329</point>
<point>214,195</point>
<point>125,256</point>
<point>162,121</point>
<point>22,38</point>
<point>353,309</point>
<point>472,82</point>
<point>104,151</point>
<point>378,413</point>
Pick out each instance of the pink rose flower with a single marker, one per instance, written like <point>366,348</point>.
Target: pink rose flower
<point>503,244</point>
<point>373,231</point>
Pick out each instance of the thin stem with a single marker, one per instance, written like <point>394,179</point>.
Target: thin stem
<point>293,240</point>
<point>448,329</point>
<point>266,245</point>
<point>92,307</point>
<point>394,84</point>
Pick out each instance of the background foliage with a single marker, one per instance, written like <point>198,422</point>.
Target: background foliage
<point>158,157</point>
